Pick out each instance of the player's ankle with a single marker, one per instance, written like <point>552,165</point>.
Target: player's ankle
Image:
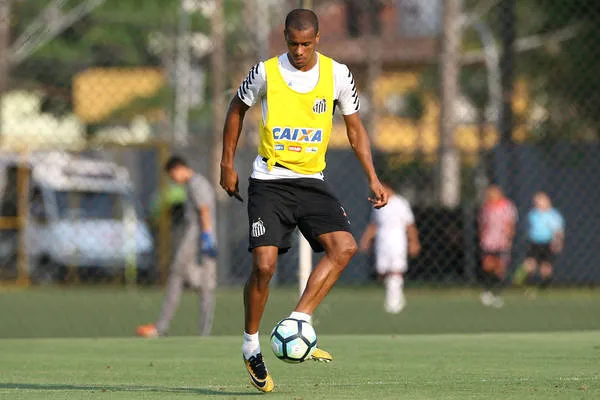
<point>301,316</point>
<point>251,345</point>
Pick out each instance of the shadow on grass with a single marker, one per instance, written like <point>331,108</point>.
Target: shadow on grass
<point>109,388</point>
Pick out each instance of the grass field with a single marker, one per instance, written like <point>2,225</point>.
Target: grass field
<point>103,312</point>
<point>76,343</point>
<point>487,366</point>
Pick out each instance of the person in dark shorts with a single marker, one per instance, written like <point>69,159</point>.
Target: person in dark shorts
<point>298,92</point>
<point>545,234</point>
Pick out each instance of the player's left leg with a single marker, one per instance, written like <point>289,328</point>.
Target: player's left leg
<point>545,274</point>
<point>325,224</point>
<point>499,272</point>
<point>174,288</point>
<point>394,289</point>
<point>339,247</point>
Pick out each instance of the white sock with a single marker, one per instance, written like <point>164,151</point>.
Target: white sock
<point>301,316</point>
<point>251,345</point>
<point>394,296</point>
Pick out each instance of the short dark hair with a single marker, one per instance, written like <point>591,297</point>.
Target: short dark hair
<point>301,19</point>
<point>174,162</point>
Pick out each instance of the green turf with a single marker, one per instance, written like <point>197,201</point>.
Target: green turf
<point>115,312</point>
<point>484,366</point>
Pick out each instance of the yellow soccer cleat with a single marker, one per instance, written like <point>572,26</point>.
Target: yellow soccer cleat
<point>259,376</point>
<point>321,355</point>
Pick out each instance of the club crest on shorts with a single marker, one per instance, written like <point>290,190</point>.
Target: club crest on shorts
<point>320,106</point>
<point>258,228</point>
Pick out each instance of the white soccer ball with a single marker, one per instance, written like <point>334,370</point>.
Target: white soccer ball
<point>293,340</point>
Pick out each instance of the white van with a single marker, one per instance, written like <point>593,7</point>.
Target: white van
<point>81,214</point>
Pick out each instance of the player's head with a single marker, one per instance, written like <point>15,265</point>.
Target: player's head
<point>302,36</point>
<point>178,169</point>
<point>494,193</point>
<point>542,201</point>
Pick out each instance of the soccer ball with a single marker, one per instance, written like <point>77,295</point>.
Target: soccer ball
<point>293,340</point>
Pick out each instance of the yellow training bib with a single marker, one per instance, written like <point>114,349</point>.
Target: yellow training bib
<point>298,125</point>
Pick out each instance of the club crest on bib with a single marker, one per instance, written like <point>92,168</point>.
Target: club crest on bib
<point>320,106</point>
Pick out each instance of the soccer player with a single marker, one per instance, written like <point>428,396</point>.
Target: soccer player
<point>545,233</point>
<point>497,220</point>
<point>395,233</point>
<point>198,232</point>
<point>298,92</point>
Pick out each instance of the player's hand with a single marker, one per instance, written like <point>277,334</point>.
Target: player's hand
<point>231,182</point>
<point>379,196</point>
<point>209,247</point>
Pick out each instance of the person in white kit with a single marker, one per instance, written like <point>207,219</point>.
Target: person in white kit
<point>395,234</point>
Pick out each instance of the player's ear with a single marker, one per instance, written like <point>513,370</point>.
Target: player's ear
<point>317,36</point>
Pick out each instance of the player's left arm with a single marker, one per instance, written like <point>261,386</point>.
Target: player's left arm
<point>414,245</point>
<point>205,218</point>
<point>359,141</point>
<point>349,105</point>
<point>202,195</point>
<point>558,239</point>
<point>511,223</point>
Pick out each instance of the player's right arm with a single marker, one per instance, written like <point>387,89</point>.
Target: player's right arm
<point>234,121</point>
<point>249,93</point>
<point>367,238</point>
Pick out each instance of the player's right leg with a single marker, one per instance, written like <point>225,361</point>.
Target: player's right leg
<point>487,297</point>
<point>208,284</point>
<point>256,293</point>
<point>270,226</point>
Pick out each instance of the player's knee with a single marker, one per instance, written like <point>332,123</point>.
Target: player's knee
<point>529,265</point>
<point>263,269</point>
<point>345,252</point>
<point>545,270</point>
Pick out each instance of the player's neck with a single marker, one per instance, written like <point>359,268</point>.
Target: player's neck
<point>310,65</point>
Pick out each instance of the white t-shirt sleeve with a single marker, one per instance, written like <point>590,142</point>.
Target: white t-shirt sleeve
<point>345,89</point>
<point>254,86</point>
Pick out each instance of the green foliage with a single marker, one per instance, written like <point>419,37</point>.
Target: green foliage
<point>414,106</point>
<point>565,75</point>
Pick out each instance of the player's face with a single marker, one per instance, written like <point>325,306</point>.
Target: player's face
<point>542,201</point>
<point>178,174</point>
<point>494,194</point>
<point>301,47</point>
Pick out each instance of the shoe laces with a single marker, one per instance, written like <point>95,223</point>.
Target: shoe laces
<point>258,366</point>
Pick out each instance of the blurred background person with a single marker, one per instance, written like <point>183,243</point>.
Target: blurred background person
<point>198,232</point>
<point>545,233</point>
<point>395,234</point>
<point>497,220</point>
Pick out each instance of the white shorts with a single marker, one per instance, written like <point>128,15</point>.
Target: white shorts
<point>390,262</point>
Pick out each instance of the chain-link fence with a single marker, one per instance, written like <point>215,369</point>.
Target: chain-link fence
<point>456,96</point>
